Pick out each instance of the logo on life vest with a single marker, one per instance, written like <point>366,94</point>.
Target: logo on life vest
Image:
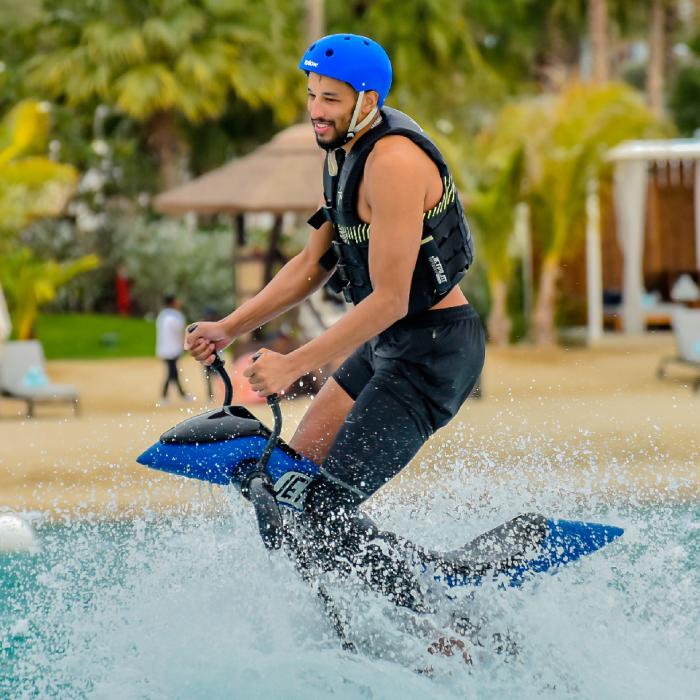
<point>439,271</point>
<point>310,63</point>
<point>290,488</point>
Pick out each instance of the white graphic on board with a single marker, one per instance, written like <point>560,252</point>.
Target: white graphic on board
<point>290,488</point>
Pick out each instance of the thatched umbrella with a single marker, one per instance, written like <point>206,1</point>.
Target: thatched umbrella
<point>284,175</point>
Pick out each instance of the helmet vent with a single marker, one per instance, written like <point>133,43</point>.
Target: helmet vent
<point>329,53</point>
<point>347,38</point>
<point>312,47</point>
<point>366,42</point>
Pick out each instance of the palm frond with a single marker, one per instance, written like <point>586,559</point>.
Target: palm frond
<point>205,65</point>
<point>172,35</point>
<point>115,46</point>
<point>52,71</point>
<point>37,172</point>
<point>31,283</point>
<point>25,130</point>
<point>145,89</point>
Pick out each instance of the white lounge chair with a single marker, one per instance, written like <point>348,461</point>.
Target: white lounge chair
<point>686,329</point>
<point>23,377</point>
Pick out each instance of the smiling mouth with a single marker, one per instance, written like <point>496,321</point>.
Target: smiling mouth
<point>321,127</point>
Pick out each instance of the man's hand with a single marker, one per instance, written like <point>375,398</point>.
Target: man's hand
<point>204,338</point>
<point>271,373</point>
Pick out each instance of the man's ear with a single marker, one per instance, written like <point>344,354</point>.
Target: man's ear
<point>369,101</point>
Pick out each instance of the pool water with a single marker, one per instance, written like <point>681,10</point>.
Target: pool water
<point>192,606</point>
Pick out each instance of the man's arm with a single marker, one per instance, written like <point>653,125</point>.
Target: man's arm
<point>395,187</point>
<point>299,278</point>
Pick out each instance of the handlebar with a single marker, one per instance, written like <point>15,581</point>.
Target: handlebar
<point>219,367</point>
<point>258,486</point>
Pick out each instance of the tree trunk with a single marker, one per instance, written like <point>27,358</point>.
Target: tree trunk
<point>315,20</point>
<point>543,317</point>
<point>499,323</point>
<point>656,68</point>
<point>559,59</point>
<point>598,33</point>
<point>169,149</point>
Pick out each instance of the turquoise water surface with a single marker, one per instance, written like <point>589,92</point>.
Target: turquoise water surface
<point>194,607</point>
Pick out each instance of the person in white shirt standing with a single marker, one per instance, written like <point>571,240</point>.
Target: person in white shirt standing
<point>170,329</point>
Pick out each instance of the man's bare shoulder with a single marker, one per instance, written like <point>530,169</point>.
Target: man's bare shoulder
<point>395,146</point>
<point>396,156</point>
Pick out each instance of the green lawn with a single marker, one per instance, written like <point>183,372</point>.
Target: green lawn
<point>91,336</point>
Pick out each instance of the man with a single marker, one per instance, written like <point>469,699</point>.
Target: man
<point>170,327</point>
<point>415,346</point>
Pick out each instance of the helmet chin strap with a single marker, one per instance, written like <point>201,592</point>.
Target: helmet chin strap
<point>352,131</point>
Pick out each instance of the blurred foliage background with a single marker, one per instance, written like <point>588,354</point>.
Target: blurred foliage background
<point>105,103</point>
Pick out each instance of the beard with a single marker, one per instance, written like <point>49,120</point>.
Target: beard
<point>336,138</point>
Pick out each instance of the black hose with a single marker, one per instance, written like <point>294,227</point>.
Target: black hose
<point>273,401</point>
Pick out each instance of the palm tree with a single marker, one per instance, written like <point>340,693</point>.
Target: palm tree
<point>439,72</point>
<point>492,209</point>
<point>564,139</point>
<point>157,60</point>
<point>30,283</point>
<point>31,186</point>
<point>657,56</point>
<point>598,34</point>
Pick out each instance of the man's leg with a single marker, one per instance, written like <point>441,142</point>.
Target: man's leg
<point>321,422</point>
<point>378,438</point>
<point>319,426</point>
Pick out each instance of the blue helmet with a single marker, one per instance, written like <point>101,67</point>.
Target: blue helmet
<point>353,59</point>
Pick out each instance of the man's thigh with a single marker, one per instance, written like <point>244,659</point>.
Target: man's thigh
<point>378,438</point>
<point>321,422</point>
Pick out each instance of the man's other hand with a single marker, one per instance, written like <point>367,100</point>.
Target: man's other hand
<point>271,373</point>
<point>204,338</point>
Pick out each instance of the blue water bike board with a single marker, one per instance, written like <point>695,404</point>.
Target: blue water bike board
<point>224,446</point>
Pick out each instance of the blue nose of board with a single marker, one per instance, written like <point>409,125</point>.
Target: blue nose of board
<point>565,542</point>
<point>577,538</point>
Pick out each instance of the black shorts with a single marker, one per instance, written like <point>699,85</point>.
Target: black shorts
<point>406,383</point>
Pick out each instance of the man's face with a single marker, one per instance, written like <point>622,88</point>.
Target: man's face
<point>331,104</point>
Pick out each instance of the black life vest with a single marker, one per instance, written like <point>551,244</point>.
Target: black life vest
<point>447,248</point>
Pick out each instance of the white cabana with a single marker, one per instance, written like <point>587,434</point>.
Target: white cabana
<point>631,160</point>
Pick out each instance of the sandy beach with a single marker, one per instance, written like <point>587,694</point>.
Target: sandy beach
<point>592,419</point>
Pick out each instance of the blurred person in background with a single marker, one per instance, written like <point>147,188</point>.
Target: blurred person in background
<point>170,327</point>
<point>122,288</point>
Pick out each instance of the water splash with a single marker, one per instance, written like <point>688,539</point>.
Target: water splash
<point>193,606</point>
